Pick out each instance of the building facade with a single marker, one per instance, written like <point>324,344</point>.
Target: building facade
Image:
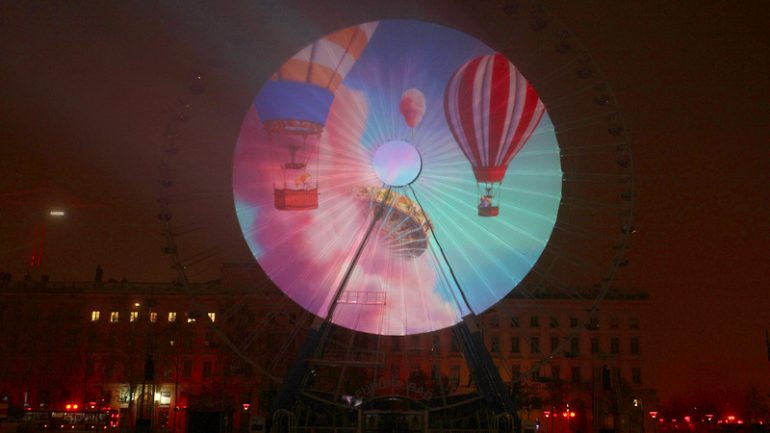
<point>164,354</point>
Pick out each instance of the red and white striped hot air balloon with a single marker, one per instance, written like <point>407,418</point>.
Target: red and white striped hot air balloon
<point>492,111</point>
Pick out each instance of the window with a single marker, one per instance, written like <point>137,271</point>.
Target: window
<point>514,321</point>
<point>553,322</point>
<point>515,371</point>
<point>435,372</point>
<point>494,344</point>
<point>132,316</point>
<point>574,346</point>
<point>636,375</point>
<point>114,317</point>
<point>191,317</point>
<point>454,375</point>
<point>534,322</point>
<point>95,316</point>
<point>615,345</point>
<point>210,339</point>
<point>414,342</point>
<point>515,345</point>
<point>172,316</point>
<point>395,371</point>
<point>593,323</point>
<point>435,344</point>
<point>494,321</point>
<point>153,316</point>
<point>538,375</point>
<point>534,345</point>
<point>573,322</point>
<point>635,346</point>
<point>555,373</point>
<point>187,367</point>
<point>575,375</point>
<point>395,344</point>
<point>207,368</point>
<point>633,323</point>
<point>594,345</point>
<point>213,317</point>
<point>554,344</point>
<point>455,345</point>
<point>614,322</point>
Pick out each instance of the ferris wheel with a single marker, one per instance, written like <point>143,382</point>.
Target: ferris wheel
<point>394,177</point>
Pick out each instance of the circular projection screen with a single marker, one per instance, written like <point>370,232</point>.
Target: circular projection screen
<point>396,176</point>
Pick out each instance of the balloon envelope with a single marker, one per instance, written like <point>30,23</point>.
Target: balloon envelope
<point>412,107</point>
<point>492,111</point>
<point>303,88</point>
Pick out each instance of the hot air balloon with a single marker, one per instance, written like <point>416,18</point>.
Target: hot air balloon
<point>492,111</point>
<point>293,106</point>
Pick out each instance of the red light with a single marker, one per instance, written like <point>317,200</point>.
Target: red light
<point>74,407</point>
<point>653,414</point>
<point>547,413</point>
<point>731,418</point>
<point>246,406</point>
<point>565,414</point>
<point>740,421</point>
<point>68,407</point>
<point>687,418</point>
<point>572,414</point>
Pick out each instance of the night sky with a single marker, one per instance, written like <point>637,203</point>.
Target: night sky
<point>87,90</point>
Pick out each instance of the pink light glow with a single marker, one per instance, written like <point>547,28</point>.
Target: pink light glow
<point>312,239</point>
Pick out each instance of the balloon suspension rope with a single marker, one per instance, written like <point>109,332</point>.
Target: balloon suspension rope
<point>443,254</point>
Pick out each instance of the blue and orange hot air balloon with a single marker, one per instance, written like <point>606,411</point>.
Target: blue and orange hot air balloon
<point>293,106</point>
<point>492,110</point>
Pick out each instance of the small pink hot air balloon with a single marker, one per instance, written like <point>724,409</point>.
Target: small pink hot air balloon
<point>412,107</point>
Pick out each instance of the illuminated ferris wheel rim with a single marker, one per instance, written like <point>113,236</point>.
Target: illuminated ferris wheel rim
<point>490,111</point>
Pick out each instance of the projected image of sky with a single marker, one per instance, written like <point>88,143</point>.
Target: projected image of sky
<point>335,226</point>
